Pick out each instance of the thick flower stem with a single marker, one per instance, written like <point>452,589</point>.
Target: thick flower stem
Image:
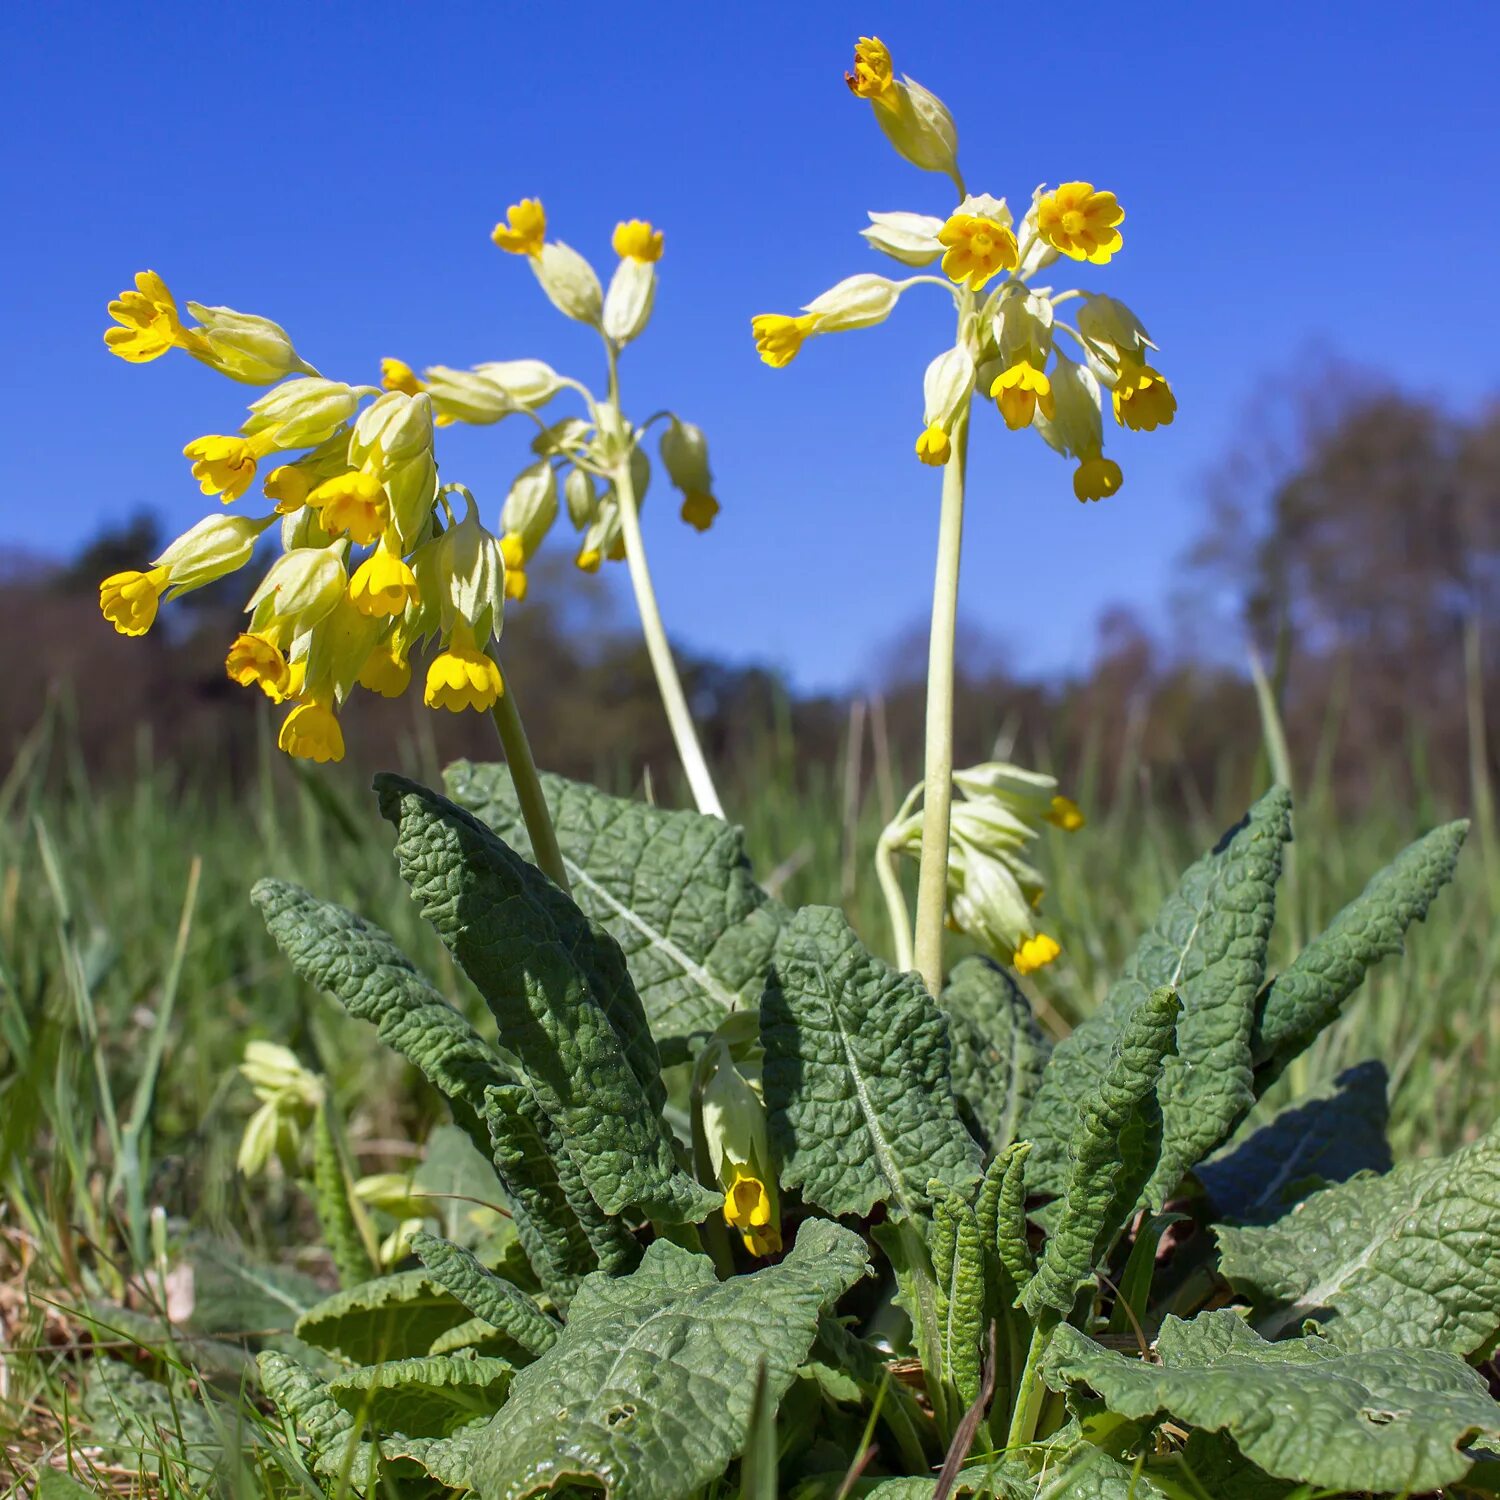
<point>528,786</point>
<point>1030,1392</point>
<point>660,651</point>
<point>937,796</point>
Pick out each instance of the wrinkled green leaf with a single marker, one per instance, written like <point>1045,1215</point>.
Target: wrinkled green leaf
<point>1209,944</point>
<point>1408,1259</point>
<point>999,1050</point>
<point>430,1396</point>
<point>561,997</point>
<point>1380,1419</point>
<point>1113,1153</point>
<point>650,1389</point>
<point>1305,1146</point>
<point>1308,996</point>
<point>500,1304</point>
<point>856,1075</point>
<point>446,1459</point>
<point>958,1263</point>
<point>392,1317</point>
<point>308,1404</point>
<point>335,1207</point>
<point>674,889</point>
<point>135,1421</point>
<point>1003,1479</point>
<point>1089,1473</point>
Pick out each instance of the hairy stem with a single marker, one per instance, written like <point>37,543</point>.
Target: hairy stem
<point>895,904</point>
<point>1030,1391</point>
<point>528,784</point>
<point>937,797</point>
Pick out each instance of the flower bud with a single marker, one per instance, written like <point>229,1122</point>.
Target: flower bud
<point>301,586</point>
<point>392,428</point>
<point>565,437</point>
<point>1108,322</point>
<point>339,648</point>
<point>531,506</point>
<point>604,538</point>
<point>468,572</point>
<point>856,302</point>
<point>1075,427</point>
<point>918,125</point>
<point>581,497</point>
<point>212,549</point>
<point>1022,328</point>
<point>570,283</point>
<point>412,488</point>
<point>735,1137</point>
<point>627,308</point>
<point>302,413</point>
<point>684,452</point>
<point>946,386</point>
<point>468,396</point>
<point>528,382</point>
<point>242,346</point>
<point>910,238</point>
<point>275,1072</point>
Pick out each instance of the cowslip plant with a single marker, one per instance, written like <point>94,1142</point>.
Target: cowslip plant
<point>784,1222</point>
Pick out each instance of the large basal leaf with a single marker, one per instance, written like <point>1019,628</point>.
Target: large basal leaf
<point>1089,1473</point>
<point>391,1317</point>
<point>1305,1146</point>
<point>856,1076</point>
<point>308,1404</point>
<point>487,1296</point>
<point>1209,944</point>
<point>1308,996</point>
<point>1387,1420</point>
<point>999,1050</point>
<point>649,1391</point>
<point>561,997</point>
<point>1000,1478</point>
<point>1113,1153</point>
<point>1411,1259</point>
<point>674,889</point>
<point>430,1396</point>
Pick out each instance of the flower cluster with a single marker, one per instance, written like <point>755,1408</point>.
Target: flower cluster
<point>1007,346</point>
<point>289,1097</point>
<point>377,556</point>
<point>994,893</point>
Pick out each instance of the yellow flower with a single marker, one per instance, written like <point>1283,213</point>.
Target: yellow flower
<point>462,677</point>
<point>397,375</point>
<point>1066,814</point>
<point>148,319</point>
<point>978,248</point>
<point>288,485</point>
<point>383,584</point>
<point>635,239</point>
<point>1020,390</point>
<point>1035,953</point>
<point>934,446</point>
<point>778,337</point>
<point>1080,222</point>
<point>873,77</point>
<point>1142,398</point>
<point>311,732</point>
<point>1097,478</point>
<point>256,660</point>
<point>513,549</point>
<point>747,1208</point>
<point>525,230</point>
<point>386,671</point>
<point>226,465</point>
<point>699,509</point>
<point>354,502</point>
<point>516,584</point>
<point>129,600</point>
<point>588,560</point>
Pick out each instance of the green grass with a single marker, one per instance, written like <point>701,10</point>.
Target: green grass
<point>133,970</point>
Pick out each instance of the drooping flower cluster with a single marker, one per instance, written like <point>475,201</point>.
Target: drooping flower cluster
<point>377,555</point>
<point>1008,326</point>
<point>994,892</point>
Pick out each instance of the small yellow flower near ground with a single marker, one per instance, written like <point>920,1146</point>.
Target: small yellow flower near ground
<point>257,661</point>
<point>525,229</point>
<point>354,502</point>
<point>288,485</point>
<point>385,671</point>
<point>779,337</point>
<point>311,732</point>
<point>462,676</point>
<point>513,549</point>
<point>225,465</point>
<point>516,584</point>
<point>934,446</point>
<point>129,600</point>
<point>1066,814</point>
<point>747,1208</point>
<point>1020,390</point>
<point>1097,478</point>
<point>1035,953</point>
<point>699,509</point>
<point>1143,399</point>
<point>635,239</point>
<point>978,249</point>
<point>1081,222</point>
<point>873,77</point>
<point>383,584</point>
<point>148,319</point>
<point>588,560</point>
<point>397,375</point>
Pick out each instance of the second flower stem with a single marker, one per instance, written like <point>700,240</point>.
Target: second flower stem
<point>528,785</point>
<point>937,796</point>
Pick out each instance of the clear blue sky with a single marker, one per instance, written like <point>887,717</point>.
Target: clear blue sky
<point>1294,175</point>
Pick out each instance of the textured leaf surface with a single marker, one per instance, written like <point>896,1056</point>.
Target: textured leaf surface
<point>673,888</point>
<point>999,1050</point>
<point>1209,944</point>
<point>487,1296</point>
<point>649,1391</point>
<point>856,1075</point>
<point>1113,1153</point>
<point>1302,1148</point>
<point>561,997</point>
<point>1411,1259</point>
<point>1308,996</point>
<point>431,1396</point>
<point>1088,1473</point>
<point>1382,1419</point>
<point>309,1405</point>
<point>959,1264</point>
<point>392,1317</point>
<point>1004,1479</point>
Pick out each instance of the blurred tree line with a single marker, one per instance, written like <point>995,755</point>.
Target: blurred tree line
<point>1353,540</point>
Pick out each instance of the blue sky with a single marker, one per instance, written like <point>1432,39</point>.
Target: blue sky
<point>1295,177</point>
